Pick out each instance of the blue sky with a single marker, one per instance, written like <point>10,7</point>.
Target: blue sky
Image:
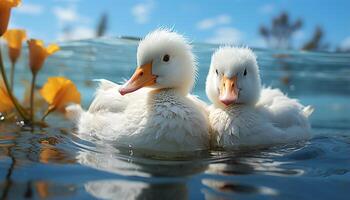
<point>215,21</point>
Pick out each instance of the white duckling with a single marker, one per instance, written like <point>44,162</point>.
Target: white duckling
<point>243,113</point>
<point>162,116</point>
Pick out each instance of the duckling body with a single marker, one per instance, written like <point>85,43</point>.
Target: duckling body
<point>245,114</point>
<point>162,115</point>
<point>160,120</point>
<point>263,124</point>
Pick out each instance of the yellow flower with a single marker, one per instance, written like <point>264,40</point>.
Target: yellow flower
<point>5,10</point>
<point>5,101</point>
<point>38,53</point>
<point>58,92</point>
<point>14,38</point>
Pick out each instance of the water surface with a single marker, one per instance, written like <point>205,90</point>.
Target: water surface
<point>55,163</point>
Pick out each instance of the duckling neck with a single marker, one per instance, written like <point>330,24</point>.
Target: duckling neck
<point>180,91</point>
<point>165,95</point>
<point>237,106</point>
<point>232,106</point>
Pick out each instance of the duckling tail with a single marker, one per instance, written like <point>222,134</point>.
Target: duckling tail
<point>73,112</point>
<point>308,110</point>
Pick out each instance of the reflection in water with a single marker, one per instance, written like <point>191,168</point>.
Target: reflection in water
<point>43,189</point>
<point>112,189</point>
<point>46,189</point>
<point>49,153</point>
<point>262,161</point>
<point>116,189</point>
<point>15,155</point>
<point>36,190</point>
<point>132,164</point>
<point>110,163</point>
<point>245,163</point>
<point>7,148</point>
<point>226,188</point>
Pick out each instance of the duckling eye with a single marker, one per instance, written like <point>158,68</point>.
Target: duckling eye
<point>217,72</point>
<point>245,72</point>
<point>166,58</point>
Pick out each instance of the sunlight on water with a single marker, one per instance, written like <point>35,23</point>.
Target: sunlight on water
<point>55,163</point>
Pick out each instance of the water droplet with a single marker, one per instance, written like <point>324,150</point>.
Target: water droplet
<point>20,123</point>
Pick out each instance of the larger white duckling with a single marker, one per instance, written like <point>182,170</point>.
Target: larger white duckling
<point>243,113</point>
<point>161,116</point>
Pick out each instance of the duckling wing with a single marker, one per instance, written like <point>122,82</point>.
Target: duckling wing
<point>282,111</point>
<point>266,133</point>
<point>107,98</point>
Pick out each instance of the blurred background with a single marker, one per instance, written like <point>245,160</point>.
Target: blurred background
<point>319,25</point>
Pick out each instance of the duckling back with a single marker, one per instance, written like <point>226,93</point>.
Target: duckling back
<point>283,111</point>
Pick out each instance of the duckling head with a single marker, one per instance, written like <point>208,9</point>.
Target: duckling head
<point>233,77</point>
<point>165,60</point>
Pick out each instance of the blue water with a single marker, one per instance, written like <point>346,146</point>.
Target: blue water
<point>55,163</point>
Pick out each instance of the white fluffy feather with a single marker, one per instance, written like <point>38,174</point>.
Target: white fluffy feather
<point>164,117</point>
<point>272,118</point>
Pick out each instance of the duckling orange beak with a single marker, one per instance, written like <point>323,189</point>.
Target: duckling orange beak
<point>141,78</point>
<point>228,90</point>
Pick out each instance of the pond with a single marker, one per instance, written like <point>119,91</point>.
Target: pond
<point>55,163</point>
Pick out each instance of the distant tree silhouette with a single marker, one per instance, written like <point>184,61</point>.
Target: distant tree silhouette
<point>342,48</point>
<point>102,25</point>
<point>281,31</point>
<point>315,43</point>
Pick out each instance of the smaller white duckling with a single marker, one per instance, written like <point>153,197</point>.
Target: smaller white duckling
<point>245,114</point>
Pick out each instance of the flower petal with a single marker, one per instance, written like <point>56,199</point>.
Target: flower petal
<point>37,54</point>
<point>10,3</point>
<point>35,42</point>
<point>51,87</point>
<point>52,48</point>
<point>5,101</point>
<point>59,92</point>
<point>14,39</point>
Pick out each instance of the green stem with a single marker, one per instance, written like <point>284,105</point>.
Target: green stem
<point>18,107</point>
<point>32,89</point>
<point>12,75</point>
<point>49,110</point>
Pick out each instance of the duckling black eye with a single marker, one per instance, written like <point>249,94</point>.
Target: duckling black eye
<point>245,72</point>
<point>216,71</point>
<point>166,58</point>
